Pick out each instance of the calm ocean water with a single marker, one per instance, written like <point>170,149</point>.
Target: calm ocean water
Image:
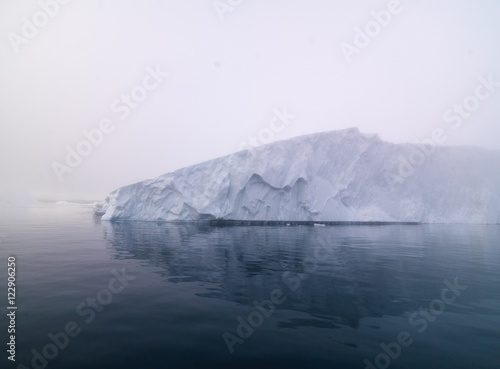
<point>152,295</point>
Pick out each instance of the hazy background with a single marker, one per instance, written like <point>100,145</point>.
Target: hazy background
<point>226,77</point>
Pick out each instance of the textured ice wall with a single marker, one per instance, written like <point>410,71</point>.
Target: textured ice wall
<point>333,176</point>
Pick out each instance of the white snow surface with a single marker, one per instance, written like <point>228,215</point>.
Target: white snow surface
<point>332,176</point>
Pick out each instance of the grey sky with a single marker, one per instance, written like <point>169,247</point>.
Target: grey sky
<point>226,78</point>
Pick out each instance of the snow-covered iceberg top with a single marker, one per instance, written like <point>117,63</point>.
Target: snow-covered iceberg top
<point>333,176</point>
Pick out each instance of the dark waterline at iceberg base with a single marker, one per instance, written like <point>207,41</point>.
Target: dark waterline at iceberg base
<point>185,295</point>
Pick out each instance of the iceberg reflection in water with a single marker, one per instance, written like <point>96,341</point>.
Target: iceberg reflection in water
<point>346,288</point>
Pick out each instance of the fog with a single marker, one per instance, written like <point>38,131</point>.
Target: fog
<point>176,82</point>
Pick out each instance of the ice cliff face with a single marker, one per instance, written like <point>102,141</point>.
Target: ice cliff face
<point>333,176</point>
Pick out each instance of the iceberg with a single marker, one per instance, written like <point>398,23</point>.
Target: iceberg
<point>343,176</point>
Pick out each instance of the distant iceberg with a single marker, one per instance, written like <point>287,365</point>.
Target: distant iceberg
<point>76,203</point>
<point>332,176</point>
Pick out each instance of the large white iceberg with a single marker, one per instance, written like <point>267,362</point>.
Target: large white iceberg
<point>333,176</point>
